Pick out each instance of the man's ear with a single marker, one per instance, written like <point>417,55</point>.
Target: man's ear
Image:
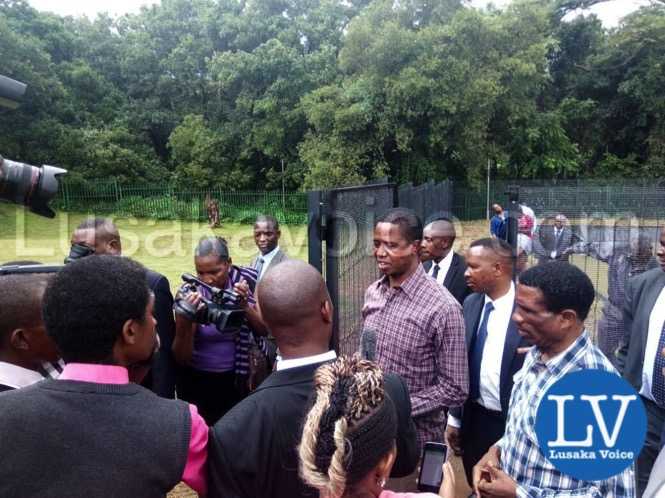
<point>128,334</point>
<point>327,311</point>
<point>18,340</point>
<point>114,247</point>
<point>569,317</point>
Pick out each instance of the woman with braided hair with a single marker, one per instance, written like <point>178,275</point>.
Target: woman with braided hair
<point>348,442</point>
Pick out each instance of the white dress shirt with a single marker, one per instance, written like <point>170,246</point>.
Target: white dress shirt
<point>307,360</point>
<point>444,266</point>
<point>656,320</point>
<point>17,377</point>
<point>267,259</point>
<point>490,365</point>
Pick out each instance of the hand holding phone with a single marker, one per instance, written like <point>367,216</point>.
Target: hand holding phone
<point>431,467</point>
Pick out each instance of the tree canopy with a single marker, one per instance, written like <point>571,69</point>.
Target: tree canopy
<point>203,93</point>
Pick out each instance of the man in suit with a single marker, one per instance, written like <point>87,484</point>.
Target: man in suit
<point>269,421</point>
<point>554,241</point>
<point>639,360</point>
<point>440,261</point>
<point>100,236</point>
<point>492,342</point>
<point>266,238</point>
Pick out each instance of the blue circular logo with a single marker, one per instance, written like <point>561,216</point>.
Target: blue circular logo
<point>591,424</point>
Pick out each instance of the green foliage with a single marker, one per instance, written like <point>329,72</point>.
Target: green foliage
<point>221,93</point>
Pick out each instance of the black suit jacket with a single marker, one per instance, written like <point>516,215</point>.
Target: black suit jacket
<point>511,361</point>
<point>642,291</point>
<point>253,448</point>
<point>162,376</point>
<point>454,281</point>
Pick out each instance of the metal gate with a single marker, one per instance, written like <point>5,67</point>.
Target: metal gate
<point>341,226</point>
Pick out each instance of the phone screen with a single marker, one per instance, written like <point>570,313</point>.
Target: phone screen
<point>431,470</point>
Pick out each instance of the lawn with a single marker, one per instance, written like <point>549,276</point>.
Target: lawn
<point>164,246</point>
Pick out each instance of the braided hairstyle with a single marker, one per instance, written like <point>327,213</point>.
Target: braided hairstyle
<point>349,429</point>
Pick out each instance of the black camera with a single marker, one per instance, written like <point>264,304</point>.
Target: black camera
<point>223,308</point>
<point>22,183</point>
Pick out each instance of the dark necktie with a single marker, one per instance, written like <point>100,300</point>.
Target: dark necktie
<point>477,354</point>
<point>658,378</point>
<point>435,271</point>
<point>259,267</point>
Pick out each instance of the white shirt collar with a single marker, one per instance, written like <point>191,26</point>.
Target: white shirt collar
<point>267,258</point>
<point>504,302</point>
<point>444,266</point>
<point>308,360</point>
<point>17,377</point>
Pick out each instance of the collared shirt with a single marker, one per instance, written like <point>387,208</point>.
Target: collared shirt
<point>656,321</point>
<point>17,377</point>
<point>420,336</point>
<point>444,266</point>
<point>490,365</point>
<point>194,474</point>
<point>267,259</point>
<point>521,458</point>
<point>308,360</point>
<point>52,370</point>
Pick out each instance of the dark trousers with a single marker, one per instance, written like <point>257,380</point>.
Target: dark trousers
<point>652,444</point>
<point>481,428</point>
<point>213,393</point>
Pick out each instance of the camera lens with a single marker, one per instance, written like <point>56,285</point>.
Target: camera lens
<point>29,185</point>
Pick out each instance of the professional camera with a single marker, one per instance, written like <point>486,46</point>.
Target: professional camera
<point>22,183</point>
<point>223,308</point>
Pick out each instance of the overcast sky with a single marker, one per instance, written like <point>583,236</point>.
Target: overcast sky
<point>609,12</point>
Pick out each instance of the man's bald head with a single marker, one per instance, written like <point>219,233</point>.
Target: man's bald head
<point>99,234</point>
<point>292,298</point>
<point>442,228</point>
<point>437,241</point>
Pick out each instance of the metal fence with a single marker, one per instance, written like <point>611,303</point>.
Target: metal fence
<point>167,202</point>
<point>340,240</point>
<point>605,220</point>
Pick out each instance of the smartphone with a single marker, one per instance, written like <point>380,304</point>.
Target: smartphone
<point>431,468</point>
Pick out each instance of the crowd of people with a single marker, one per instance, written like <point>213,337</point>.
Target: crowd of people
<point>109,392</point>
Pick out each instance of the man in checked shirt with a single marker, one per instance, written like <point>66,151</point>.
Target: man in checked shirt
<point>553,300</point>
<point>418,325</point>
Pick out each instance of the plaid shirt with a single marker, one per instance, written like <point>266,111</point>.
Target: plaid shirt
<point>521,458</point>
<point>420,336</point>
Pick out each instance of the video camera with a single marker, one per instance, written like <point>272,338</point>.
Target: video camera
<point>223,309</point>
<point>22,183</point>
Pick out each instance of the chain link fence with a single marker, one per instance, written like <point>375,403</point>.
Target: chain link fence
<point>164,202</point>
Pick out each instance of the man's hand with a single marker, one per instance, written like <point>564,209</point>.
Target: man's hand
<point>447,489</point>
<point>499,484</point>
<point>242,289</point>
<point>480,471</point>
<point>454,439</point>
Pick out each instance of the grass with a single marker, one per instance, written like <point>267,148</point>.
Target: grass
<point>163,246</point>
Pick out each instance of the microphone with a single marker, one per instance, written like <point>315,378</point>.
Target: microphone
<point>368,345</point>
